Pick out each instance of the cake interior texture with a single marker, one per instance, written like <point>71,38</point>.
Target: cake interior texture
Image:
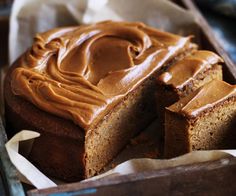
<point>127,119</point>
<point>204,127</point>
<point>85,112</point>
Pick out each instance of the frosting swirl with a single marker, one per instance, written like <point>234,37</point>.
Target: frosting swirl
<point>79,73</point>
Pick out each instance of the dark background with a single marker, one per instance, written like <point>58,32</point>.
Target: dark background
<point>221,15</point>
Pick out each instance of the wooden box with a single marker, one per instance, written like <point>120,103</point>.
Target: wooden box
<point>208,178</point>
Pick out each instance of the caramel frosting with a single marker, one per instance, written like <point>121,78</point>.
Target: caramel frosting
<point>185,70</point>
<point>204,98</point>
<point>80,73</point>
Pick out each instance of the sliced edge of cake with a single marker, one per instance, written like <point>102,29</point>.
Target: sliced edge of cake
<point>185,76</point>
<point>203,120</point>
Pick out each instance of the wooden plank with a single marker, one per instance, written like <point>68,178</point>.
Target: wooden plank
<point>9,177</point>
<point>207,178</point>
<point>2,186</point>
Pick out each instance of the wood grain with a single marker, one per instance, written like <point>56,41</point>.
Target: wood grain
<point>209,178</point>
<point>8,173</point>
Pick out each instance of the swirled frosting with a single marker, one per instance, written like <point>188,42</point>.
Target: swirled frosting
<point>204,98</point>
<point>80,73</point>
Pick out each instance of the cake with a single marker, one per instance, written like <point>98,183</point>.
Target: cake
<point>185,76</point>
<point>203,120</point>
<point>87,90</point>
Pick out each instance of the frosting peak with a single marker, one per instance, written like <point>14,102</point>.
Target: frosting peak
<point>79,72</point>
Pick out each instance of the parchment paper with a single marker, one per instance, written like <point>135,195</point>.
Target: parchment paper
<point>29,17</point>
<point>31,175</point>
<point>28,173</point>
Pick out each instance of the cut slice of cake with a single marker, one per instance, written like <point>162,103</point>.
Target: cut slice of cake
<point>203,120</point>
<point>88,90</point>
<point>185,76</point>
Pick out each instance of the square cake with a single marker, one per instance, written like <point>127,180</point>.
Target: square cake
<point>87,90</point>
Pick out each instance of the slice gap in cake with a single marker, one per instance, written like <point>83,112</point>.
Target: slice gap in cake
<point>184,77</point>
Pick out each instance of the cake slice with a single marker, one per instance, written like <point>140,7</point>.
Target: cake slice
<point>203,120</point>
<point>88,90</point>
<point>185,76</point>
